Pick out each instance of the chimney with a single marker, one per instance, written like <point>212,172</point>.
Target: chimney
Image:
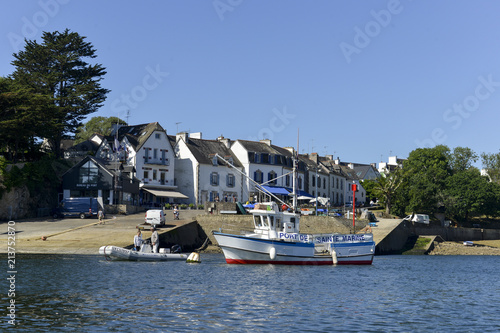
<point>337,161</point>
<point>266,141</point>
<point>225,141</point>
<point>314,157</point>
<point>329,157</point>
<point>182,135</point>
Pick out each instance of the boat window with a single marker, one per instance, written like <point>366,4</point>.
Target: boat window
<point>292,219</point>
<point>256,219</point>
<point>264,221</point>
<point>278,223</point>
<point>271,221</point>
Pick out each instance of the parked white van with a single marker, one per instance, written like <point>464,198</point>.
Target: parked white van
<point>418,218</point>
<point>155,217</point>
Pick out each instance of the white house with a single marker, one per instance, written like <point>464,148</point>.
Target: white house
<point>201,174</point>
<point>147,149</point>
<point>268,165</point>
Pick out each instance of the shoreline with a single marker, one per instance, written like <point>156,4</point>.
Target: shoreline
<point>457,248</point>
<point>86,236</point>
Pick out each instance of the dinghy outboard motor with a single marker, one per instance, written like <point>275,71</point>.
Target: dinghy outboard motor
<point>175,249</point>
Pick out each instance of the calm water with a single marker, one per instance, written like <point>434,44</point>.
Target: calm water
<point>395,294</point>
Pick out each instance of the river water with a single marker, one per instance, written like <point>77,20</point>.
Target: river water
<point>396,294</point>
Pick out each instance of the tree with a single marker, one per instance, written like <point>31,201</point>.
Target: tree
<point>462,159</point>
<point>56,69</point>
<point>100,125</point>
<point>470,194</point>
<point>425,172</point>
<point>21,115</point>
<point>385,188</point>
<point>491,162</point>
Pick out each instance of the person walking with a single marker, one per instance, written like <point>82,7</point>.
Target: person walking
<point>100,215</point>
<point>154,240</point>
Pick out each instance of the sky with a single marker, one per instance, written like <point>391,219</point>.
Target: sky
<point>359,80</point>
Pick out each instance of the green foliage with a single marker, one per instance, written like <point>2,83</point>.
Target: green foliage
<point>384,188</point>
<point>468,194</point>
<point>183,206</point>
<point>100,125</point>
<point>168,206</point>
<point>39,177</point>
<point>201,207</point>
<point>424,175</point>
<point>491,163</point>
<point>462,159</point>
<point>66,87</point>
<point>191,205</point>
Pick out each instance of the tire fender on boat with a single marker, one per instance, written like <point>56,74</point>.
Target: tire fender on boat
<point>334,257</point>
<point>272,253</point>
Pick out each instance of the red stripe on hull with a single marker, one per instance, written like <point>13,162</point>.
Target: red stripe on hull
<point>353,262</point>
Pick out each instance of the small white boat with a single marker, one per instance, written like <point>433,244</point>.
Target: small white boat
<point>119,253</point>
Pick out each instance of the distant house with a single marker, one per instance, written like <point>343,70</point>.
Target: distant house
<point>201,172</point>
<point>392,164</point>
<point>87,147</point>
<point>147,149</point>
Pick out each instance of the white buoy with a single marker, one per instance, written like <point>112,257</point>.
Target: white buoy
<point>194,257</point>
<point>272,253</point>
<point>334,257</point>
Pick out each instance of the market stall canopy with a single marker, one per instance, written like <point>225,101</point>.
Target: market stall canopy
<point>275,189</point>
<point>166,194</point>
<point>321,200</point>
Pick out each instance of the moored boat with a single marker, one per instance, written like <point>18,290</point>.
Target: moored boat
<point>145,254</point>
<point>276,240</point>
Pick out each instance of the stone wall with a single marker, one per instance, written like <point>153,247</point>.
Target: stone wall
<point>189,237</point>
<point>13,204</point>
<point>458,234</point>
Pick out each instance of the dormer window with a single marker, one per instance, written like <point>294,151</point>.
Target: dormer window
<point>157,136</point>
<point>214,161</point>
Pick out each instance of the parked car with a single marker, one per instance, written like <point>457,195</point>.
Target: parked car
<point>418,218</point>
<point>155,217</point>
<point>77,207</point>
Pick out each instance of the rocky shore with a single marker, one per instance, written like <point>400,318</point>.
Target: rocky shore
<point>457,248</point>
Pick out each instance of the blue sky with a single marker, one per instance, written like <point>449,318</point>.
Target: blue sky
<point>360,80</point>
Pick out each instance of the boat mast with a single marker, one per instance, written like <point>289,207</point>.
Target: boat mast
<point>295,166</point>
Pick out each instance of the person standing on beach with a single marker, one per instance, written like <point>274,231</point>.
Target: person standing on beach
<point>154,240</point>
<point>138,241</point>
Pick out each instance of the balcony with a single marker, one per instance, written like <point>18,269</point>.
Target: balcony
<point>157,161</point>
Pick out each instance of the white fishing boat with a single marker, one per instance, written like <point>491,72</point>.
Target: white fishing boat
<point>276,239</point>
<point>145,254</point>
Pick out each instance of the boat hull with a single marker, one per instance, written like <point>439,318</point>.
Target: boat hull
<point>253,250</point>
<point>119,253</point>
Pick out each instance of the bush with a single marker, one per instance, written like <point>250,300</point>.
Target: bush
<point>191,205</point>
<point>183,206</point>
<point>200,207</point>
<point>168,206</point>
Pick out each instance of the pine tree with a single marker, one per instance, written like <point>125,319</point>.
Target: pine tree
<point>57,73</point>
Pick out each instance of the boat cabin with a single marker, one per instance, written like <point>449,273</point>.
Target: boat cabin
<point>269,220</point>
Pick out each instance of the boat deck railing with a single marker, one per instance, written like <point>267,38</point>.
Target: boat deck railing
<point>235,229</point>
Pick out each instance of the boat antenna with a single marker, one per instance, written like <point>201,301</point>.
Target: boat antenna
<point>295,166</point>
